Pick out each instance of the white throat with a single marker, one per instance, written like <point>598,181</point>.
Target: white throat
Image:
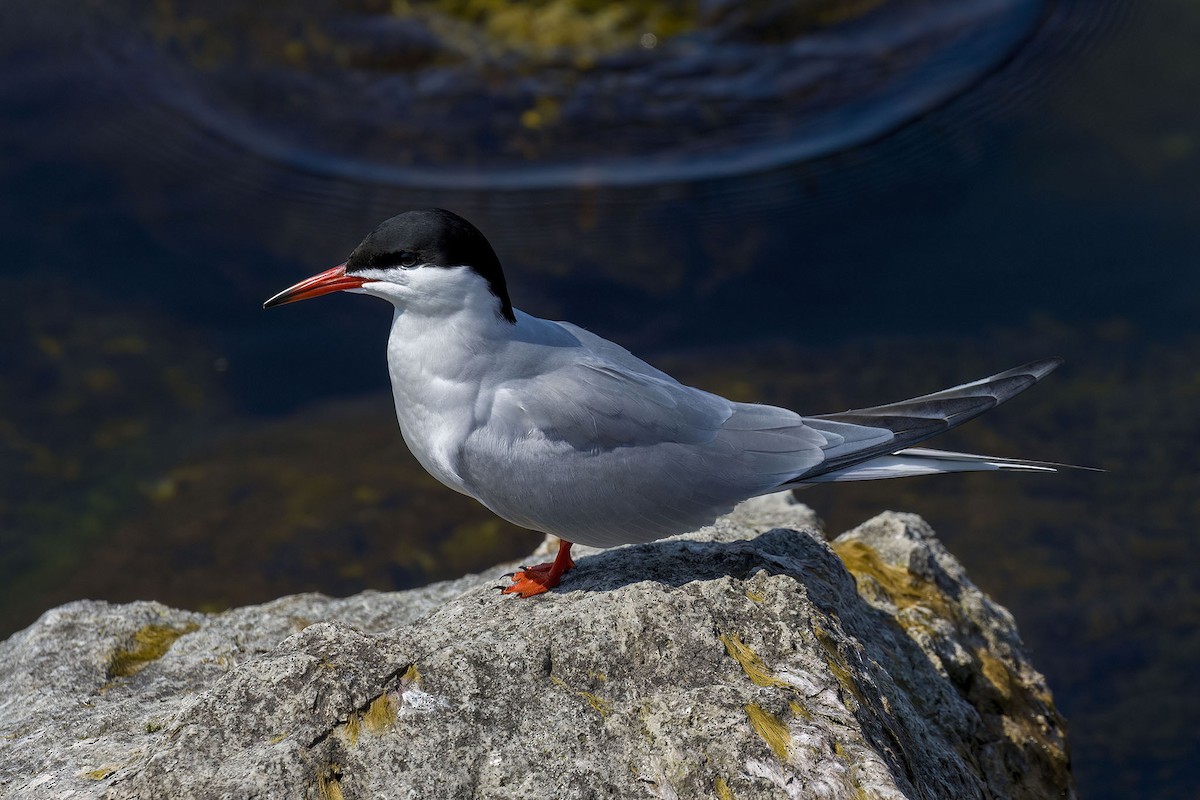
<point>444,345</point>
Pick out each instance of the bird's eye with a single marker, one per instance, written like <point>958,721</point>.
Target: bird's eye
<point>404,259</point>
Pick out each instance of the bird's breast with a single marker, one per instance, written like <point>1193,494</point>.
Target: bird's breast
<point>436,413</point>
<point>435,422</point>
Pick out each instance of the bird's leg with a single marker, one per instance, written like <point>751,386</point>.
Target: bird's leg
<point>529,581</point>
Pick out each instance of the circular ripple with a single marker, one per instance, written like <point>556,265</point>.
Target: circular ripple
<point>478,95</point>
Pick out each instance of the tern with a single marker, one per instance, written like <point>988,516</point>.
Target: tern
<point>558,430</point>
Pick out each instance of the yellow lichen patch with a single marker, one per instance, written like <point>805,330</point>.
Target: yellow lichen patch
<point>799,710</point>
<point>377,717</point>
<point>844,678</point>
<point>1026,708</point>
<point>751,664</point>
<point>329,783</point>
<point>149,644</point>
<point>380,715</point>
<point>900,585</point>
<point>995,671</point>
<point>100,773</point>
<point>722,789</point>
<point>352,727</point>
<point>277,738</point>
<point>771,729</point>
<point>599,704</point>
<point>757,597</point>
<point>837,666</point>
<point>411,675</point>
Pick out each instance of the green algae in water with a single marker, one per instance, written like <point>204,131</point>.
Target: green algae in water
<point>546,26</point>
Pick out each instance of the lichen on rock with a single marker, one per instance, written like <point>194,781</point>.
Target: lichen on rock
<point>149,643</point>
<point>745,660</point>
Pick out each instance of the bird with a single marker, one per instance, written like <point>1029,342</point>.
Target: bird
<point>561,431</point>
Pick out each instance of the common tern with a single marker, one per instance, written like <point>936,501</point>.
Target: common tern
<point>558,430</point>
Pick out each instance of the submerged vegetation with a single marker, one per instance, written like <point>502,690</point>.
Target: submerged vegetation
<point>544,28</point>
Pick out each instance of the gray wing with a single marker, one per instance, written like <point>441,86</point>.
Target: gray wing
<point>602,454</point>
<point>612,353</point>
<point>594,406</point>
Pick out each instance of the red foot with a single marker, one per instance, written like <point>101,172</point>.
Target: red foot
<point>529,581</point>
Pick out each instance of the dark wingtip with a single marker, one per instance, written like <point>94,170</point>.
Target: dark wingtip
<point>1035,369</point>
<point>1045,366</point>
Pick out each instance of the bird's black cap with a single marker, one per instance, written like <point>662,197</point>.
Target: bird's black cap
<point>435,237</point>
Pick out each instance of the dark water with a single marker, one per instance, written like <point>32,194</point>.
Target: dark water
<point>820,205</point>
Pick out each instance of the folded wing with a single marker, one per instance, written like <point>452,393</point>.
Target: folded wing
<point>621,455</point>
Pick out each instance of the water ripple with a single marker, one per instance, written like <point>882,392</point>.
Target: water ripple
<point>422,99</point>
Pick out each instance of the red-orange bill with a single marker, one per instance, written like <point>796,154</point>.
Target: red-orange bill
<point>331,280</point>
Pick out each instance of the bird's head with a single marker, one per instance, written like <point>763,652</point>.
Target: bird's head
<point>424,260</point>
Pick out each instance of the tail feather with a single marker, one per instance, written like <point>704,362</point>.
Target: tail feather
<point>922,461</point>
<point>864,435</point>
<point>1023,464</point>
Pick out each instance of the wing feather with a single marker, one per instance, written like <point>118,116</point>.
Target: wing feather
<point>635,456</point>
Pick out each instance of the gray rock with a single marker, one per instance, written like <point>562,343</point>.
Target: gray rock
<point>746,660</point>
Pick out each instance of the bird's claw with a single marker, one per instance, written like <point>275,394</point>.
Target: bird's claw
<point>540,578</point>
<point>529,581</point>
<point>525,587</point>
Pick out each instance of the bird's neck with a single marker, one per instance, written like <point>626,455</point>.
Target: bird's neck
<point>438,368</point>
<point>437,361</point>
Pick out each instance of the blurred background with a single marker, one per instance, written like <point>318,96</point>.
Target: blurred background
<point>819,204</point>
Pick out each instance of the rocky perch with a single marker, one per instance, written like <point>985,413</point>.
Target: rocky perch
<point>748,660</point>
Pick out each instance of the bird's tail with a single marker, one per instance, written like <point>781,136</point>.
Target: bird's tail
<point>923,461</point>
<point>873,443</point>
